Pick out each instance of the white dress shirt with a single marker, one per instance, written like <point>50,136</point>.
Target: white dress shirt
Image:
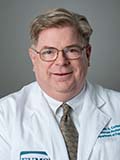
<point>76,104</point>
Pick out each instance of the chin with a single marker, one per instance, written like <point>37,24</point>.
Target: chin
<point>65,88</point>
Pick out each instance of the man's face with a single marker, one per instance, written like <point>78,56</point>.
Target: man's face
<point>62,78</point>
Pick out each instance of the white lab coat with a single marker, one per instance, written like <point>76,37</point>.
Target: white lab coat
<point>29,130</point>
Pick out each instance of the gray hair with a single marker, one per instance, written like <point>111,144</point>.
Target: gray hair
<point>58,18</point>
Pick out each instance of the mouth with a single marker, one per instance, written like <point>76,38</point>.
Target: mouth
<point>62,74</point>
<point>62,77</point>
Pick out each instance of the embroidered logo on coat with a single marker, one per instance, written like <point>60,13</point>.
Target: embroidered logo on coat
<point>34,155</point>
<point>110,131</point>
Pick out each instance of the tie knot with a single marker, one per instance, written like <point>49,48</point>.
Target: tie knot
<point>66,108</point>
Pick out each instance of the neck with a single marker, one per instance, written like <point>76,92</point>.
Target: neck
<point>63,96</point>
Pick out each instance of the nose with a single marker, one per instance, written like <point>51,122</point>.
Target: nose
<point>61,59</point>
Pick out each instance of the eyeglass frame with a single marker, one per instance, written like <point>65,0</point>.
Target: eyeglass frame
<point>57,52</point>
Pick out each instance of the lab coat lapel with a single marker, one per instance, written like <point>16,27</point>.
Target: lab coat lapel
<point>46,128</point>
<point>92,121</point>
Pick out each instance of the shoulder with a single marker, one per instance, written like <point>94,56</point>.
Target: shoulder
<point>100,95</point>
<point>16,94</point>
<point>104,93</point>
<point>20,97</point>
<point>17,106</point>
<point>108,95</point>
<point>110,99</point>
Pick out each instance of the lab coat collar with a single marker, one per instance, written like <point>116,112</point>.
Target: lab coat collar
<point>92,121</point>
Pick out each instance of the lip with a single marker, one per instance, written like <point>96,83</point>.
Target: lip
<point>62,74</point>
<point>62,77</point>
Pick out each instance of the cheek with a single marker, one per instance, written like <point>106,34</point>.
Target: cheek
<point>81,69</point>
<point>42,71</point>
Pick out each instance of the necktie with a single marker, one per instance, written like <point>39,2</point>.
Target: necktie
<point>69,132</point>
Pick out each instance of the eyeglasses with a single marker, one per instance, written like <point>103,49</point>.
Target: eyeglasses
<point>50,53</point>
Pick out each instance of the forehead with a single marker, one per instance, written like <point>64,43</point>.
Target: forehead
<point>58,37</point>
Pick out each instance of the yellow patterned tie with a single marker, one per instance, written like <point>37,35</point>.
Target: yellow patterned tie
<point>69,132</point>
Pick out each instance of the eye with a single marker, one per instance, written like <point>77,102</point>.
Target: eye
<point>74,49</point>
<point>47,51</point>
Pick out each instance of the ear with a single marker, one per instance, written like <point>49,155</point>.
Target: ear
<point>88,53</point>
<point>32,55</point>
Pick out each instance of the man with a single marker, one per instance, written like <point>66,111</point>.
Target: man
<point>37,122</point>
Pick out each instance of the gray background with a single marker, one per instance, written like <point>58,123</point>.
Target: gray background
<point>15,17</point>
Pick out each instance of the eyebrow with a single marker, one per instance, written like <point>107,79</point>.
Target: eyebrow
<point>72,45</point>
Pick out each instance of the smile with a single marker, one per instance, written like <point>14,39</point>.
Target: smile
<point>62,77</point>
<point>62,74</point>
